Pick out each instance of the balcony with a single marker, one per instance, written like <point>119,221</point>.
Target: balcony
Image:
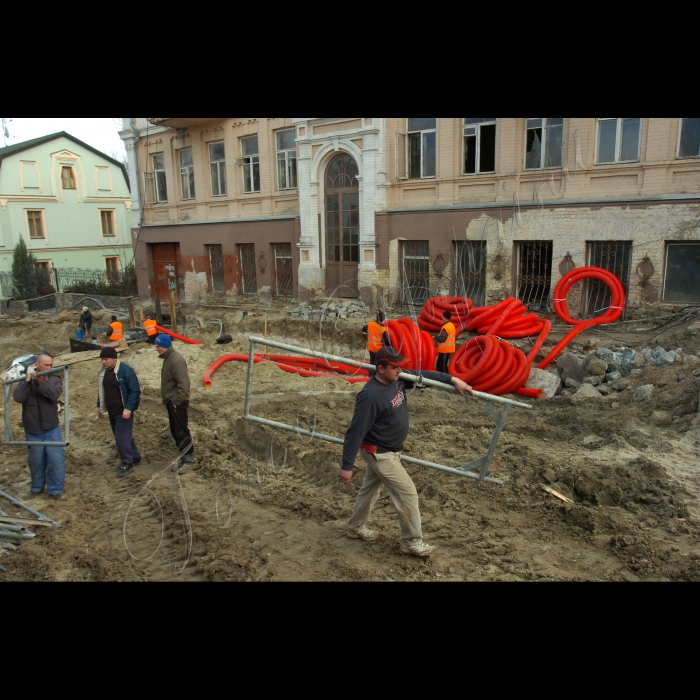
<point>184,122</point>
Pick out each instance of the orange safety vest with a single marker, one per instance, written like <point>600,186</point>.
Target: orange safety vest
<point>374,336</point>
<point>116,330</point>
<point>150,327</point>
<point>449,345</point>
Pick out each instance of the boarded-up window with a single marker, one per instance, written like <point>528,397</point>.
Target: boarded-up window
<point>30,176</point>
<point>104,183</point>
<point>682,273</point>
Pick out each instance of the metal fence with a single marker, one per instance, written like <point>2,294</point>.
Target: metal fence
<point>41,282</point>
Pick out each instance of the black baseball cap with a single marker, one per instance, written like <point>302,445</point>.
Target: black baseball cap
<point>391,357</point>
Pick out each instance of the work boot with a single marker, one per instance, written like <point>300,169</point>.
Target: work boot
<point>186,462</point>
<point>362,533</point>
<point>417,549</point>
<point>58,497</point>
<point>126,469</point>
<point>32,494</point>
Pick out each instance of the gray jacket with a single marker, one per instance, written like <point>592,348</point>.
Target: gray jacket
<point>39,403</point>
<point>174,378</point>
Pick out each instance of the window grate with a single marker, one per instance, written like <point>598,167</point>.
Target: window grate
<point>534,273</point>
<point>284,271</point>
<point>469,271</point>
<point>249,279</point>
<point>216,265</point>
<point>614,256</point>
<point>415,272</point>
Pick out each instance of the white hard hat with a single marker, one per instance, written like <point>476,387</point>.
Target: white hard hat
<point>85,308</point>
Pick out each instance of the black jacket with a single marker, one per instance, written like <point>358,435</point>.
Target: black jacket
<point>39,401</point>
<point>86,318</point>
<point>381,417</point>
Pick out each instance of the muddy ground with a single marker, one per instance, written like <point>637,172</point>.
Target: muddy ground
<point>634,484</point>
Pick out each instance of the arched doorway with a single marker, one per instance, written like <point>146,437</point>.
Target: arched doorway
<point>342,224</point>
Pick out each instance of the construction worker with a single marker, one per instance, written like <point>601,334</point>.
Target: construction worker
<point>118,396</point>
<point>378,430</point>
<point>117,329</point>
<point>175,392</point>
<point>377,337</point>
<point>150,325</point>
<point>86,320</point>
<point>39,399</point>
<point>446,342</point>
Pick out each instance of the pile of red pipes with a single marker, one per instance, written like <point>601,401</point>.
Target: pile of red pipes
<point>487,362</point>
<point>490,364</point>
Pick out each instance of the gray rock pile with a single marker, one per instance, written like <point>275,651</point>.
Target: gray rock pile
<point>332,311</point>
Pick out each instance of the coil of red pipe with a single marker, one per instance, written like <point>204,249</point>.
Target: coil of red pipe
<point>178,337</point>
<point>295,365</point>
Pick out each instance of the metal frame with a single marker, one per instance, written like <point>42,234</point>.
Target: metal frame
<point>66,393</point>
<point>483,462</point>
<point>41,519</point>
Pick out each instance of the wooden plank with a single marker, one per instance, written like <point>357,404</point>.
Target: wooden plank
<point>132,314</point>
<point>557,494</point>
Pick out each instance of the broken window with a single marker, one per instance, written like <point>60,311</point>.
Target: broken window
<point>682,278</point>
<point>286,159</point>
<point>479,145</point>
<point>415,272</point>
<point>689,142</point>
<point>217,164</point>
<point>157,188</point>
<point>422,147</point>
<point>545,138</point>
<point>618,139</point>
<point>187,173</point>
<point>251,164</point>
<point>534,273</point>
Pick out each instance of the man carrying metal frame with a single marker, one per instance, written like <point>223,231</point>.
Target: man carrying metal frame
<point>378,430</point>
<point>39,399</point>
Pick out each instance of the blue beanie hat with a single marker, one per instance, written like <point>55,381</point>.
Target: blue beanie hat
<point>164,341</point>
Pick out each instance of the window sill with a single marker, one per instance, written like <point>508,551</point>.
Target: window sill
<point>621,162</point>
<point>536,170</point>
<point>688,157</point>
<point>491,172</point>
<point>419,179</point>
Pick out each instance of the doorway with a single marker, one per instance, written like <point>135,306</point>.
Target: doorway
<point>616,257</point>
<point>216,269</point>
<point>534,270</point>
<point>342,226</point>
<point>284,270</point>
<point>167,270</point>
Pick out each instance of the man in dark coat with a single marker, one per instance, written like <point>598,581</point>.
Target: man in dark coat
<point>118,396</point>
<point>39,399</point>
<point>86,320</point>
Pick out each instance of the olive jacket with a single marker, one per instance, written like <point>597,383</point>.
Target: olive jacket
<point>174,378</point>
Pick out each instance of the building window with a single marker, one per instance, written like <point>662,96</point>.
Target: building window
<point>67,178</point>
<point>108,226</point>
<point>161,186</point>
<point>217,164</point>
<point>545,138</point>
<point>112,268</point>
<point>422,147</point>
<point>187,173</point>
<point>36,224</point>
<point>251,164</point>
<point>44,265</point>
<point>682,273</point>
<point>618,140</point>
<point>689,141</point>
<point>286,160</point>
<point>479,145</point>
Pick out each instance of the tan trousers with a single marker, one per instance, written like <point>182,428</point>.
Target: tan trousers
<point>386,469</point>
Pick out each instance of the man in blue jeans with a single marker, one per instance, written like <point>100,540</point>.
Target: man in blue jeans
<point>118,396</point>
<point>39,399</point>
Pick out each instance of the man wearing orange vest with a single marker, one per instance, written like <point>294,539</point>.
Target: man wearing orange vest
<point>446,342</point>
<point>117,329</point>
<point>150,325</point>
<point>377,337</point>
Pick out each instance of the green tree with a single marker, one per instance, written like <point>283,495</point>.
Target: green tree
<point>25,272</point>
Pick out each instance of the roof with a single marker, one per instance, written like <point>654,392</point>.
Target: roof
<point>26,145</point>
